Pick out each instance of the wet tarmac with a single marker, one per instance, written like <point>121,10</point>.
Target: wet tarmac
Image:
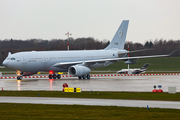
<point>119,83</point>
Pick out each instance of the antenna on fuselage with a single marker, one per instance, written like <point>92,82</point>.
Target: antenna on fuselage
<point>9,53</point>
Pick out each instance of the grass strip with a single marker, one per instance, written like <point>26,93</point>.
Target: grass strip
<point>10,111</point>
<point>96,94</point>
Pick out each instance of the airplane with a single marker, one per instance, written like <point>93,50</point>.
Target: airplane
<point>133,71</point>
<point>76,62</point>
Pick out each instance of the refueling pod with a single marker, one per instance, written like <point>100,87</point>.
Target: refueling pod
<point>130,62</point>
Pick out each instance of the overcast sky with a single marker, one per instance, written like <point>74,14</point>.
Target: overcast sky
<point>51,19</point>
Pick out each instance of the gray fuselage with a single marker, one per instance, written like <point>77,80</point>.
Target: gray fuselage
<point>35,61</point>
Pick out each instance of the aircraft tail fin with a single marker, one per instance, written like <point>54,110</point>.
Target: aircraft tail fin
<point>119,38</point>
<point>145,66</point>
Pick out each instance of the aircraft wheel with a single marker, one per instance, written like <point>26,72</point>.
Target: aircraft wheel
<point>58,76</point>
<point>79,77</point>
<point>88,76</point>
<point>50,76</point>
<point>19,77</point>
<point>54,76</point>
<point>84,76</point>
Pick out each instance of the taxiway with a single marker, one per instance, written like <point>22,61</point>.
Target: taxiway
<point>85,101</point>
<point>115,83</point>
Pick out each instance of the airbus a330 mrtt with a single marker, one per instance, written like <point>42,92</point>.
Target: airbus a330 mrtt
<point>76,62</point>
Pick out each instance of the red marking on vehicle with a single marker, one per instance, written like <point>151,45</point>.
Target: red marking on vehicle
<point>154,90</point>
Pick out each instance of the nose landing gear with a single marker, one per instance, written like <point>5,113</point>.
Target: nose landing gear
<point>19,76</point>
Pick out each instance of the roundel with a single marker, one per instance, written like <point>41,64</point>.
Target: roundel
<point>120,33</point>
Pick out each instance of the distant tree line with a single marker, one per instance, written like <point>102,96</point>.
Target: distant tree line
<point>159,46</point>
<point>156,47</point>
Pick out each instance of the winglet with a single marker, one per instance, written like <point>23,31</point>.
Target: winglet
<point>171,53</point>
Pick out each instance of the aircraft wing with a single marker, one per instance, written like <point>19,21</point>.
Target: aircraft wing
<point>67,64</point>
<point>91,62</point>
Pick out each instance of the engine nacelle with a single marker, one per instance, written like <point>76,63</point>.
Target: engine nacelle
<point>78,70</point>
<point>28,73</point>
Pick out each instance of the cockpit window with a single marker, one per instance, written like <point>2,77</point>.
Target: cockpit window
<point>11,59</point>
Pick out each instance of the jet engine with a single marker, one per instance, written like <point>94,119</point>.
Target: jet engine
<point>28,73</point>
<point>78,70</point>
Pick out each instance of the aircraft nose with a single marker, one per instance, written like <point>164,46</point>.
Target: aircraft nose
<point>5,63</point>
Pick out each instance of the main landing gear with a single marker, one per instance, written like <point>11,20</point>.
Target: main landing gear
<point>87,76</point>
<point>54,76</point>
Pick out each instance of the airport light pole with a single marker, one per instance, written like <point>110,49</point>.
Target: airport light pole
<point>68,34</point>
<point>128,55</point>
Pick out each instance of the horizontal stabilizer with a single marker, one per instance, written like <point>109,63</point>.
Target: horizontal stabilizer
<point>134,51</point>
<point>172,53</point>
